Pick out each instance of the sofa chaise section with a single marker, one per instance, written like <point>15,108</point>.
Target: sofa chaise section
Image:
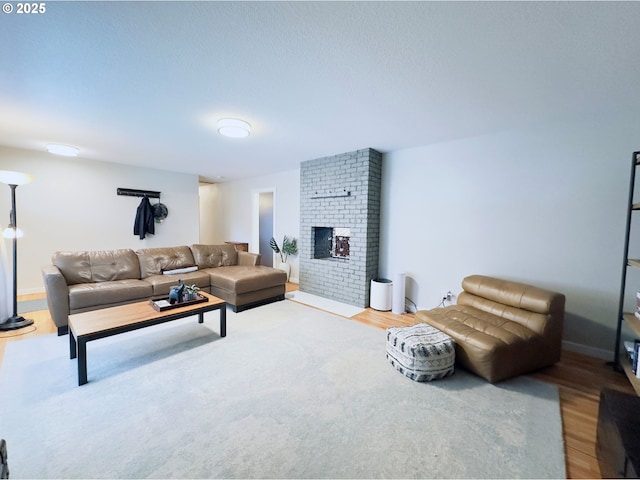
<point>237,277</point>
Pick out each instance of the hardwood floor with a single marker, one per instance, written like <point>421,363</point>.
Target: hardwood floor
<point>42,325</point>
<point>579,379</point>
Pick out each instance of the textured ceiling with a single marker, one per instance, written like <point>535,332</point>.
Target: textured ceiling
<point>143,83</point>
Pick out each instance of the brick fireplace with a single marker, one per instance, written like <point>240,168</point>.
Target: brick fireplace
<point>340,225</point>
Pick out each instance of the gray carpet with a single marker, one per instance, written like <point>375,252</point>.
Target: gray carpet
<point>291,392</point>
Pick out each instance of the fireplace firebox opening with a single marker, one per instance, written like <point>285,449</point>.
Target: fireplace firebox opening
<point>332,243</point>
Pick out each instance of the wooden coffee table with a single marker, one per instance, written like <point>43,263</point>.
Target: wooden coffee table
<point>87,326</point>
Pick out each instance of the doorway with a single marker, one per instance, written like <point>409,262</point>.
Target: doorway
<point>265,227</point>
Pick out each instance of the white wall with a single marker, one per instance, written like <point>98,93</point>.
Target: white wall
<point>238,198</point>
<point>72,205</point>
<point>212,217</point>
<point>545,206</point>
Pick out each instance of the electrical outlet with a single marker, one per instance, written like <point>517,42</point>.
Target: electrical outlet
<point>447,295</point>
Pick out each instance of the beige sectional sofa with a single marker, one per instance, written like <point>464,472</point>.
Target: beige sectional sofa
<point>81,281</point>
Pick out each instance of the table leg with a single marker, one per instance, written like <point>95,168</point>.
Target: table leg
<point>223,321</point>
<point>72,345</point>
<point>82,361</point>
<point>201,317</point>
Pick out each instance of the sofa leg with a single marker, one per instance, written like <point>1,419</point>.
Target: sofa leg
<point>63,330</point>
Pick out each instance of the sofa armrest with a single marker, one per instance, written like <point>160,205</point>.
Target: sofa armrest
<point>249,259</point>
<point>57,292</point>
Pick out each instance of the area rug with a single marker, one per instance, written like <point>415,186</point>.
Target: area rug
<point>327,304</point>
<point>26,306</point>
<point>290,392</point>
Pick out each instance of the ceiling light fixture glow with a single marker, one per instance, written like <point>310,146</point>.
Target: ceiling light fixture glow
<point>234,128</point>
<point>64,150</point>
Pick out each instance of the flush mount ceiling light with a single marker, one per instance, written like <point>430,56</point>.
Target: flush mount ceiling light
<point>64,150</point>
<point>234,128</point>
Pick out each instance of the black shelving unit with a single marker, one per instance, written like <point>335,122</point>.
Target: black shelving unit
<point>620,360</point>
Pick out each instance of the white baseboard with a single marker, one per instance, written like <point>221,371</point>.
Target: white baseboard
<point>294,280</point>
<point>587,350</point>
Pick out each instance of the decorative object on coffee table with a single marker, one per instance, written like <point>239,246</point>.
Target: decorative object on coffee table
<point>421,352</point>
<point>176,294</point>
<point>191,292</point>
<point>162,304</point>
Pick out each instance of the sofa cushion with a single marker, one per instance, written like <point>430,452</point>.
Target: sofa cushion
<point>162,283</point>
<point>153,261</point>
<point>243,279</point>
<point>514,294</point>
<point>211,256</point>
<point>479,328</point>
<point>97,266</point>
<point>86,295</point>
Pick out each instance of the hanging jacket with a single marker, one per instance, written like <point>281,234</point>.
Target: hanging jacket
<point>144,223</point>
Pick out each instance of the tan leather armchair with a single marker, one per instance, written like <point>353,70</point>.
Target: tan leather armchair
<point>502,328</point>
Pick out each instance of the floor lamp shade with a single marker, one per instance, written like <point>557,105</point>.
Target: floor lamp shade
<point>13,179</point>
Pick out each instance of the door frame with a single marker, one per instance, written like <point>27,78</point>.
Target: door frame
<point>255,219</point>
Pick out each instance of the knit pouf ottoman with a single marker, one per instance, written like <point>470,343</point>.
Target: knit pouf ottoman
<point>421,352</point>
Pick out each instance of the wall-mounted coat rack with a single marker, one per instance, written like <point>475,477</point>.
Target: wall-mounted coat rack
<point>132,192</point>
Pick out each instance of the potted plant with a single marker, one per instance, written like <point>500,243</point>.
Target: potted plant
<point>289,247</point>
<point>191,292</point>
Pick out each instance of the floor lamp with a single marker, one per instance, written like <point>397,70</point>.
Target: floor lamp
<point>13,179</point>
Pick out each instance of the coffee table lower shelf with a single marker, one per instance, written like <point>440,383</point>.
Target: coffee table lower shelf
<point>106,322</point>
